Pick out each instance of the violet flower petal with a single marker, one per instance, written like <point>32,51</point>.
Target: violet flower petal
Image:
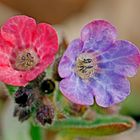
<point>76,90</point>
<point>97,47</point>
<point>123,58</point>
<point>100,30</point>
<point>69,57</point>
<point>110,88</point>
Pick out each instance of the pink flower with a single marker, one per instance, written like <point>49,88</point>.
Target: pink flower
<point>26,49</point>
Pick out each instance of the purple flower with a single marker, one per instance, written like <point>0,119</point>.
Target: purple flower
<point>96,66</point>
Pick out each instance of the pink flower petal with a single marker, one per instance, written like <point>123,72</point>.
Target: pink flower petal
<point>45,40</point>
<point>32,74</point>
<point>19,30</point>
<point>12,77</point>
<point>5,52</point>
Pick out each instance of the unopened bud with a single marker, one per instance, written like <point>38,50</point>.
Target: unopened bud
<point>21,96</point>
<point>48,86</point>
<point>45,114</point>
<point>22,113</point>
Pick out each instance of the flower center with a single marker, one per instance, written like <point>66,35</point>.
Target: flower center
<point>86,65</point>
<point>26,60</point>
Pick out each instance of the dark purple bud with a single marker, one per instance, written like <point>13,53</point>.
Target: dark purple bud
<point>16,111</point>
<point>21,99</point>
<point>24,115</point>
<point>31,99</point>
<point>21,95</point>
<point>45,114</point>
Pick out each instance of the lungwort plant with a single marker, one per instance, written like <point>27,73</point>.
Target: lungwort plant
<point>91,72</point>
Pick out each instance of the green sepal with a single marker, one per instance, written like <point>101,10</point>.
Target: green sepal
<point>12,89</point>
<point>101,126</point>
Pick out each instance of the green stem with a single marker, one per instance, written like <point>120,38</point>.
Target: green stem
<point>36,132</point>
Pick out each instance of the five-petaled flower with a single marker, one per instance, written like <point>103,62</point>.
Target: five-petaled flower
<point>26,49</point>
<point>96,66</point>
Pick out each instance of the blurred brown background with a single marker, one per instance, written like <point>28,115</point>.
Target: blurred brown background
<point>124,14</point>
<point>68,17</point>
<point>53,11</point>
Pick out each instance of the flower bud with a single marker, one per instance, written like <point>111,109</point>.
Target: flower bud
<point>45,114</point>
<point>21,96</point>
<point>48,86</point>
<point>22,113</point>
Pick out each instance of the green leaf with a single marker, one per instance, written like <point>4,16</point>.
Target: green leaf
<point>105,125</point>
<point>12,89</point>
<point>36,132</point>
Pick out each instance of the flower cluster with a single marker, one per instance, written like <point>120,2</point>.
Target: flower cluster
<point>33,102</point>
<point>93,68</point>
<point>96,66</point>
